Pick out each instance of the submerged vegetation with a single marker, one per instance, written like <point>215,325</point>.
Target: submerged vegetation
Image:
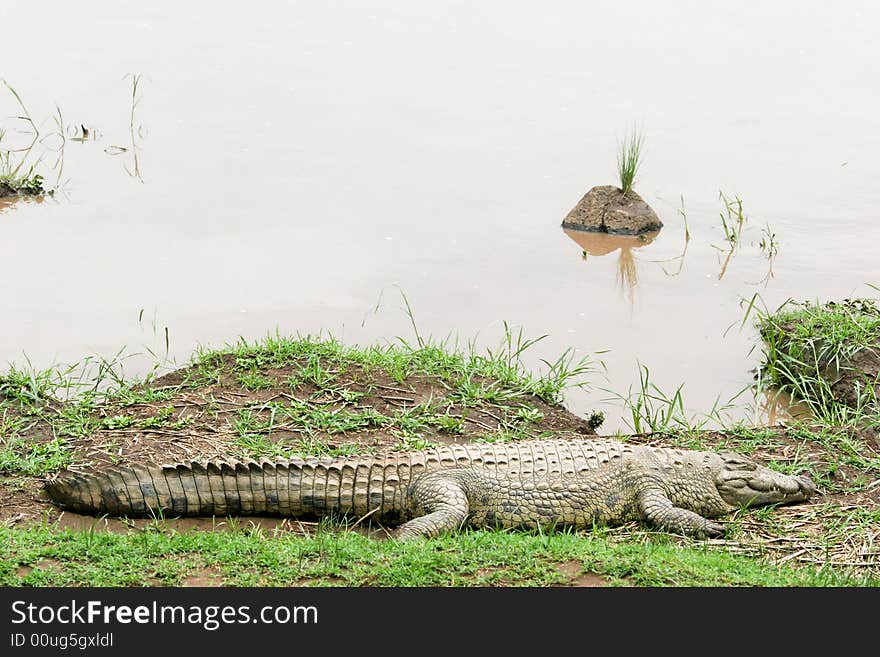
<point>135,133</point>
<point>734,225</point>
<point>732,218</point>
<point>17,174</point>
<point>28,183</point>
<point>289,396</point>
<point>769,244</point>
<point>25,145</point>
<point>650,409</point>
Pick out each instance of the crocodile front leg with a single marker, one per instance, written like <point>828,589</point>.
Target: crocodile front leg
<point>438,504</point>
<point>658,509</point>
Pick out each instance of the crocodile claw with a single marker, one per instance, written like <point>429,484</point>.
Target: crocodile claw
<point>713,530</point>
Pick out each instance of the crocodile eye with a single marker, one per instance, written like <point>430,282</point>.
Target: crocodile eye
<point>737,462</point>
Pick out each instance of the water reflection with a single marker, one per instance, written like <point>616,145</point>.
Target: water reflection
<point>776,406</point>
<point>135,134</point>
<point>82,133</point>
<point>352,124</point>
<point>7,202</point>
<point>31,152</point>
<point>597,245</point>
<point>765,281</point>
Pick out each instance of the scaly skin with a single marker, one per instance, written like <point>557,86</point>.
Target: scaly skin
<point>528,484</point>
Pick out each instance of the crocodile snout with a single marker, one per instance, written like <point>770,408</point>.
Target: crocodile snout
<point>744,483</point>
<point>807,485</point>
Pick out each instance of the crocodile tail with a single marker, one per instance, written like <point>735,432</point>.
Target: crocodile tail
<point>193,489</point>
<point>316,488</point>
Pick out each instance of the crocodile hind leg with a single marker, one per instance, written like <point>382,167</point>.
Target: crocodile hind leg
<point>438,503</point>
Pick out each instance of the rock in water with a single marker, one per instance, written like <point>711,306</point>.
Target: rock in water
<point>606,209</point>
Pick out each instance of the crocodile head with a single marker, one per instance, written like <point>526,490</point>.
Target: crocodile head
<point>742,482</point>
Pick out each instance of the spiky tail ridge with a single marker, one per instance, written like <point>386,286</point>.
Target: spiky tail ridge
<point>222,488</point>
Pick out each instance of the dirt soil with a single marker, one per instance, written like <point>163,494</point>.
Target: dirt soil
<point>849,378</point>
<point>860,370</point>
<point>197,423</point>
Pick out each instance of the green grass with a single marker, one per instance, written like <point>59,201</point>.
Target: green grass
<point>464,368</point>
<point>649,408</point>
<point>315,419</point>
<point>254,381</point>
<point>20,457</point>
<point>29,183</point>
<point>806,344</point>
<point>157,556</point>
<point>733,218</point>
<point>16,172</point>
<point>825,333</point>
<point>842,447</point>
<point>21,162</point>
<point>312,419</point>
<point>77,400</point>
<point>769,244</point>
<point>629,156</point>
<point>29,387</point>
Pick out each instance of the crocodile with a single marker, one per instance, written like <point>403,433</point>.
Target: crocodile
<point>577,483</point>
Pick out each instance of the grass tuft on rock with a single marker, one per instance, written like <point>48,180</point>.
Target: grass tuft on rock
<point>629,157</point>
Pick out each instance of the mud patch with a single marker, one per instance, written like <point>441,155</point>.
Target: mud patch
<point>573,572</point>
<point>271,526</point>
<point>23,501</point>
<point>207,576</point>
<point>329,580</point>
<point>42,565</point>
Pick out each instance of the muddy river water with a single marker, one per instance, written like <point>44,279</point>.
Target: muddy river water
<point>302,166</point>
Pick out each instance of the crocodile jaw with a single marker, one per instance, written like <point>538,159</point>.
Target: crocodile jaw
<point>742,482</point>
